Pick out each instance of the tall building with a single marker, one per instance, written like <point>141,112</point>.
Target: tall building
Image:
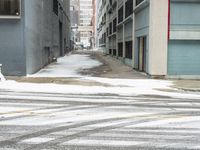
<point>33,33</point>
<point>93,23</point>
<point>75,12</point>
<point>85,27</point>
<point>75,20</point>
<point>158,37</point>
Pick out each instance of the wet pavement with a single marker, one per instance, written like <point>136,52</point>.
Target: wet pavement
<point>40,121</point>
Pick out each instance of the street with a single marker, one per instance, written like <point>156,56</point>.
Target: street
<point>55,121</point>
<point>91,113</point>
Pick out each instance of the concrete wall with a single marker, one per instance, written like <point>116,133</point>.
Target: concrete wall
<point>29,43</point>
<point>158,37</point>
<point>38,33</point>
<point>12,52</point>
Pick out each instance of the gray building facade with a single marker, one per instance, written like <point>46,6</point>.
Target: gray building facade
<point>33,32</point>
<point>158,37</point>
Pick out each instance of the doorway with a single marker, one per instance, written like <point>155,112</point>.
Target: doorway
<point>61,38</point>
<point>142,53</point>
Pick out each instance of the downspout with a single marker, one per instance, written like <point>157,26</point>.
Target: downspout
<point>169,17</point>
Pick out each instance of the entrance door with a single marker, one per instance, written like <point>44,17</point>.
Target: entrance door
<point>142,54</point>
<point>61,38</point>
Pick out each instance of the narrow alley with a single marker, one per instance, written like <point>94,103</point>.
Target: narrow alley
<point>82,109</point>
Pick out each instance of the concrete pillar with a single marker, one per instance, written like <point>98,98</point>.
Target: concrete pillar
<point>158,37</point>
<point>133,38</point>
<point>124,46</point>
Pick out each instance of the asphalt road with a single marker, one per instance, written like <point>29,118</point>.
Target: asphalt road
<point>41,121</point>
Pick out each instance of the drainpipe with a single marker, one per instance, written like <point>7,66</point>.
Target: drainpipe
<point>169,17</point>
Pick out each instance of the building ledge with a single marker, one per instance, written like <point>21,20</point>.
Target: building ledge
<point>185,35</point>
<point>10,17</point>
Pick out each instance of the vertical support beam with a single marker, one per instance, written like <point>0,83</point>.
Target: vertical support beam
<point>124,46</point>
<point>117,33</point>
<point>133,38</point>
<point>158,37</point>
<point>169,17</point>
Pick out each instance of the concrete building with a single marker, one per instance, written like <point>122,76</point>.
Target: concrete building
<point>33,32</point>
<point>75,21</point>
<point>85,28</point>
<point>93,23</point>
<point>158,37</point>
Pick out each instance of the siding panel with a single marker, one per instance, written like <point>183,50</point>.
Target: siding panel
<point>184,58</point>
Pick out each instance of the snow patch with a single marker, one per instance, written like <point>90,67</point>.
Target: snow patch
<point>37,140</point>
<point>120,87</point>
<point>68,66</point>
<point>113,143</point>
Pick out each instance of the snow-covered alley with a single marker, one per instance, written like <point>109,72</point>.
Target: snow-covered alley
<point>97,113</point>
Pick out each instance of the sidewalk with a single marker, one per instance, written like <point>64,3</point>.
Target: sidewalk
<point>105,67</point>
<point>187,85</point>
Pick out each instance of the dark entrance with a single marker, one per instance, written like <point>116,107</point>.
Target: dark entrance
<point>61,38</point>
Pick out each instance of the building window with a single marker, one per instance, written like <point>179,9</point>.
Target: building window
<point>55,6</point>
<point>138,2</point>
<point>10,8</point>
<point>120,49</point>
<point>120,14</point>
<point>114,25</point>
<point>129,8</point>
<point>129,50</point>
<point>110,51</point>
<point>114,52</point>
<point>104,38</point>
<point>110,28</point>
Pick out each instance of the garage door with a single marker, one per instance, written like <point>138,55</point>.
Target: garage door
<point>184,58</point>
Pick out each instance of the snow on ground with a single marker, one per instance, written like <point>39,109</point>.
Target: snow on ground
<point>68,66</point>
<point>2,78</point>
<point>127,88</point>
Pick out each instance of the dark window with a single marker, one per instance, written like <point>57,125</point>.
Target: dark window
<point>110,28</point>
<point>129,8</point>
<point>115,25</point>
<point>138,2</point>
<point>107,31</point>
<point>10,7</point>
<point>120,14</point>
<point>129,50</point>
<point>114,52</point>
<point>104,37</point>
<point>120,49</point>
<point>110,51</point>
<point>55,6</point>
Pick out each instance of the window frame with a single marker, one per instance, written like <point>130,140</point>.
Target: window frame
<point>13,16</point>
<point>138,2</point>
